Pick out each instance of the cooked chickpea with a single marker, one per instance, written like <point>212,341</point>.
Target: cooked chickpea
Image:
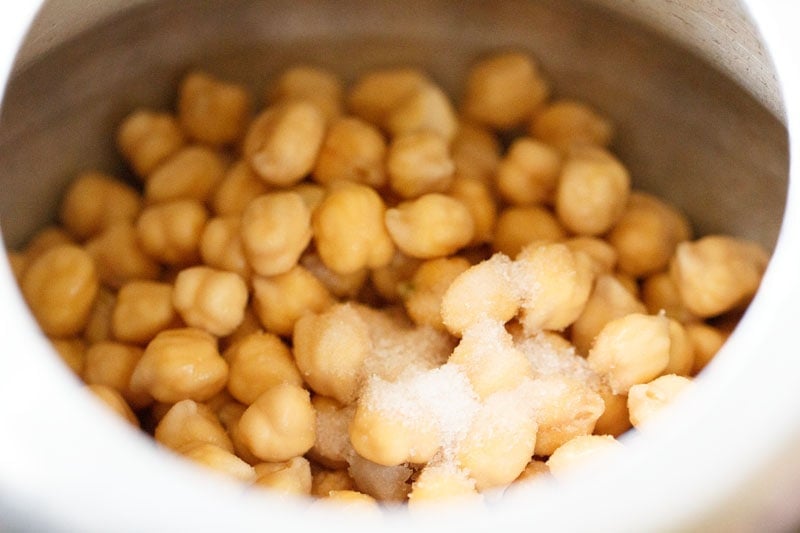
<point>353,150</point>
<point>353,501</point>
<point>646,235</point>
<point>212,111</point>
<point>706,341</point>
<point>94,201</point>
<point>660,294</point>
<point>170,231</point>
<point>609,300</point>
<point>566,123</point>
<point>485,290</point>
<point>181,364</point>
<point>592,192</point>
<point>147,138</point>
<point>219,459</point>
<point>504,90</point>
<point>603,255</point>
<point>423,297</point>
<point>438,483</point>
<point>279,425</point>
<point>210,299</point>
<point>142,309</point>
<point>384,483</point>
<point>114,401</point>
<point>580,451</point>
<point>60,287</point>
<point>72,352</point>
<point>535,469</point>
<point>188,422</point>
<point>276,228</point>
<point>221,245</point>
<point>518,227</point>
<point>647,400</point>
<point>291,477</point>
<point>283,142</point>
<point>433,225</point>
<point>717,273</point>
<point>45,239</point>
<point>112,364</point>
<point>259,362</point>
<point>330,349</point>
<point>475,151</point>
<point>324,482</point>
<point>279,301</point>
<point>311,193</point>
<point>480,201</point>
<point>236,189</point>
<point>556,284</point>
<point>427,108</point>
<point>631,350</point>
<point>339,285</point>
<point>98,325</point>
<point>528,173</point>
<point>615,419</point>
<point>681,350</point>
<point>314,84</point>
<point>419,163</point>
<point>119,257</point>
<point>332,446</point>
<point>191,173</point>
<point>377,93</point>
<point>349,229</point>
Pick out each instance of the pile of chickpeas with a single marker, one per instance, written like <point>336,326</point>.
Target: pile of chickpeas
<point>360,293</point>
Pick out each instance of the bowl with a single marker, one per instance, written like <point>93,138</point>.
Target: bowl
<point>705,99</point>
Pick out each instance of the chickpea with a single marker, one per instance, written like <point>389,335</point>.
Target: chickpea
<point>98,325</point>
<point>580,451</point>
<point>221,246</point>
<point>631,350</point>
<point>706,341</point>
<point>518,227</point>
<point>646,235</point>
<point>188,422</point>
<point>170,232</point>
<point>681,350</point>
<point>45,239</point>
<point>324,482</point>
<point>60,287</point>
<point>219,459</point>
<point>181,364</point>
<point>603,255</point>
<point>478,198</point>
<point>283,142</point>
<point>339,285</point>
<point>330,349</point>
<point>475,151</point>
<point>259,362</point>
<point>332,446</point>
<point>191,173</point>
<point>427,108</point>
<point>377,93</point>
<point>389,281</point>
<point>504,90</point>
<point>353,501</point>
<point>440,482</point>
<point>499,443</point>
<point>212,111</point>
<point>423,298</point>
<point>210,299</point>
<point>114,401</point>
<point>556,285</point>
<point>535,469</point>
<point>236,189</point>
<point>279,425</point>
<point>353,150</point>
<point>615,419</point>
<point>592,192</point>
<point>291,477</point>
<point>716,274</point>
<point>566,123</point>
<point>119,257</point>
<point>71,351</point>
<point>489,358</point>
<point>94,201</point>
<point>349,230</point>
<point>276,228</point>
<point>112,364</point>
<point>311,193</point>
<point>314,84</point>
<point>384,483</point>
<point>529,172</point>
<point>485,290</point>
<point>142,309</point>
<point>660,294</point>
<point>419,163</point>
<point>279,301</point>
<point>147,138</point>
<point>608,301</point>
<point>647,400</point>
<point>433,225</point>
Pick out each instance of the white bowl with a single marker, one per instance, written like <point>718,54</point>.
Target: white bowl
<point>723,459</point>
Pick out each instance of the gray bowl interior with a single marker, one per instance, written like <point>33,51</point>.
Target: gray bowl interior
<point>687,132</point>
